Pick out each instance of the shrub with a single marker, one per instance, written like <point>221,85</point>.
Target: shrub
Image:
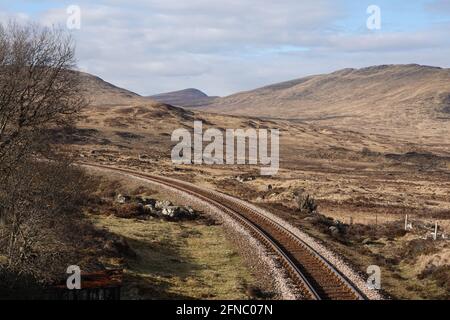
<point>305,202</point>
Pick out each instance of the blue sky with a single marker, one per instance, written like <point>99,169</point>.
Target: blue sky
<point>221,47</point>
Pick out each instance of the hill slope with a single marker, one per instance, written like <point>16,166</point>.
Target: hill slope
<point>100,92</point>
<point>397,98</point>
<point>184,98</point>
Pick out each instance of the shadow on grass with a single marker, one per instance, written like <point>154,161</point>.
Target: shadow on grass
<point>19,287</point>
<point>157,272</point>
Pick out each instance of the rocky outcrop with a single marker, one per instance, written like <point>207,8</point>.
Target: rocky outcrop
<point>145,207</point>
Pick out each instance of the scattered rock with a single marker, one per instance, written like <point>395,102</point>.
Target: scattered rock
<point>170,212</point>
<point>162,204</point>
<point>146,200</point>
<point>244,178</point>
<point>190,210</point>
<point>122,199</point>
<point>150,209</point>
<point>178,213</point>
<point>142,207</point>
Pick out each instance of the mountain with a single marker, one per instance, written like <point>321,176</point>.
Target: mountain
<point>121,121</point>
<point>399,99</point>
<point>184,98</point>
<point>100,92</point>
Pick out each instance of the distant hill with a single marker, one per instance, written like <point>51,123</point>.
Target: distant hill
<point>400,99</point>
<point>100,92</point>
<point>184,98</point>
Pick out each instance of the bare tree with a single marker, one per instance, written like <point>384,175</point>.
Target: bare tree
<point>38,88</point>
<point>305,202</point>
<point>39,91</point>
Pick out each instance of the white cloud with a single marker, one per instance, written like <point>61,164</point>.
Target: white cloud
<point>226,46</point>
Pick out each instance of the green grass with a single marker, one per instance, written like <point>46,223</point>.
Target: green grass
<point>182,260</point>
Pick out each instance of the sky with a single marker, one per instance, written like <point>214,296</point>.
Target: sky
<point>223,47</point>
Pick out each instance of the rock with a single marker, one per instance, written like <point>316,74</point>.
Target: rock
<point>366,241</point>
<point>190,210</point>
<point>178,213</point>
<point>122,199</point>
<point>334,230</point>
<point>150,209</point>
<point>170,212</point>
<point>244,179</point>
<point>146,200</point>
<point>311,219</point>
<point>162,204</point>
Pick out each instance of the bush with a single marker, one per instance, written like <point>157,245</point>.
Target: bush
<point>439,274</point>
<point>42,202</point>
<point>305,202</point>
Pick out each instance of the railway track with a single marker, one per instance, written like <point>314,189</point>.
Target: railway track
<point>314,276</point>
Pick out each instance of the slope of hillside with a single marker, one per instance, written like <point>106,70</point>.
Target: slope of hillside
<point>100,92</point>
<point>120,118</point>
<point>401,99</point>
<point>184,98</point>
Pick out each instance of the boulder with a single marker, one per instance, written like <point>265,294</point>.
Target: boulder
<point>190,210</point>
<point>334,230</point>
<point>146,200</point>
<point>171,211</point>
<point>240,179</point>
<point>162,204</point>
<point>178,213</point>
<point>150,209</point>
<point>122,199</point>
